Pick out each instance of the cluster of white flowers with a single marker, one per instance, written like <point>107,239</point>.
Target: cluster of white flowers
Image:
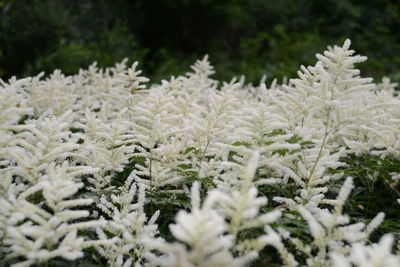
<point>331,231</point>
<point>103,136</point>
<point>127,225</point>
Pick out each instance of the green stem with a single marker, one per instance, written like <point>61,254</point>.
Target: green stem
<point>321,148</point>
<point>204,152</point>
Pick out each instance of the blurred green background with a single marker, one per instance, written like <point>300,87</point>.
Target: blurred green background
<point>249,37</point>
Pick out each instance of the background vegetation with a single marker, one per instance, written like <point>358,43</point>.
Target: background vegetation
<point>250,37</point>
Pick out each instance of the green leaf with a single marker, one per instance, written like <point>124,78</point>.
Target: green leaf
<point>276,132</point>
<point>238,143</point>
<point>281,152</point>
<point>189,149</point>
<point>307,144</point>
<point>267,143</point>
<point>294,139</point>
<point>185,166</point>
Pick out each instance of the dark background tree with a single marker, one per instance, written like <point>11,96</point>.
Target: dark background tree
<point>250,37</point>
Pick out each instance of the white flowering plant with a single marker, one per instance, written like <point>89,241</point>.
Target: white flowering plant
<point>103,168</point>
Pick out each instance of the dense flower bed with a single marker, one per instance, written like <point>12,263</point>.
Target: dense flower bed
<point>98,168</point>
